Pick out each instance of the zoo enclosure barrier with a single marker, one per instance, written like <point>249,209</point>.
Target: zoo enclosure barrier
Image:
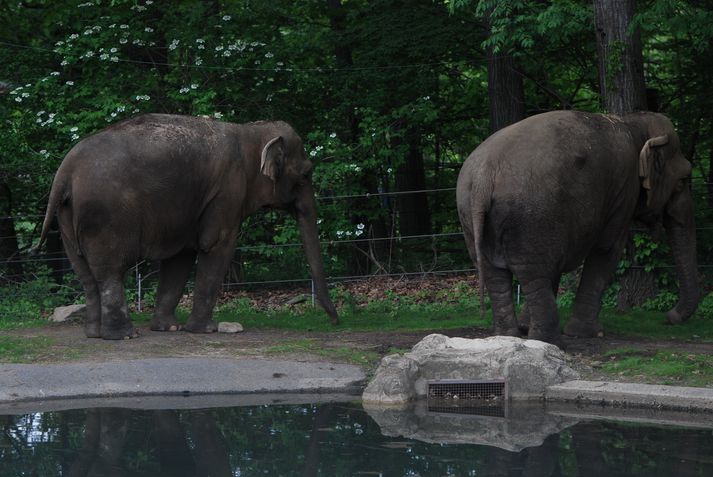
<point>143,274</point>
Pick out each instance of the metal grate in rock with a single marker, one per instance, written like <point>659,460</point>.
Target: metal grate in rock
<point>460,396</point>
<point>460,389</point>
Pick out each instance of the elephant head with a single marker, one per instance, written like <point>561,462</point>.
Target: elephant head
<point>287,185</point>
<point>665,178</point>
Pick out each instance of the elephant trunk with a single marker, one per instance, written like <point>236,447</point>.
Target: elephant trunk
<point>306,214</point>
<point>681,230</point>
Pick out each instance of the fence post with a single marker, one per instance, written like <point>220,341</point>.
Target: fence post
<point>138,294</point>
<point>312,282</point>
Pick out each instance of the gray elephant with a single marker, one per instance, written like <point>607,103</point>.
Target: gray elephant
<point>175,189</point>
<point>540,196</point>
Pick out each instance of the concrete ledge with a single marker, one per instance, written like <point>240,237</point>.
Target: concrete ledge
<point>632,395</point>
<point>174,376</point>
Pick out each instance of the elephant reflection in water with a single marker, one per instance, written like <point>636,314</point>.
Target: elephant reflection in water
<point>105,437</point>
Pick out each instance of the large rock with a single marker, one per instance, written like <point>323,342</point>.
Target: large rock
<point>67,313</point>
<point>526,425</point>
<point>527,366</point>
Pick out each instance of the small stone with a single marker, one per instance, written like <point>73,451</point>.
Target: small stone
<point>68,313</point>
<point>229,327</point>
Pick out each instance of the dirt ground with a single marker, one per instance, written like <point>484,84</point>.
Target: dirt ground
<point>66,341</point>
<point>68,344</point>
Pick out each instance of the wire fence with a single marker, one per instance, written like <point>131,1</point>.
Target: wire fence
<point>444,253</point>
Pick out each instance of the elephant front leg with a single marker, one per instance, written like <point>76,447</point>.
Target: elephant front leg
<point>599,268</point>
<point>210,272</point>
<point>174,275</point>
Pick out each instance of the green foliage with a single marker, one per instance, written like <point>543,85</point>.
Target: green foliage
<point>25,303</point>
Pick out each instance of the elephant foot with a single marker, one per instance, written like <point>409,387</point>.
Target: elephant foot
<point>125,333</point>
<point>548,336</point>
<point>165,324</point>
<point>583,329</point>
<point>195,326</point>
<point>506,331</point>
<point>92,329</point>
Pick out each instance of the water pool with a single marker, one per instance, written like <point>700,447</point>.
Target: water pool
<point>341,439</point>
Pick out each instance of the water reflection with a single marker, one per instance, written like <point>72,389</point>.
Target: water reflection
<point>340,439</point>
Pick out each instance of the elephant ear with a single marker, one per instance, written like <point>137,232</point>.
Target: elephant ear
<point>651,164</point>
<point>272,158</point>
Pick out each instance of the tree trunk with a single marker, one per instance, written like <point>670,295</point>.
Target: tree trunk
<point>622,89</point>
<point>505,91</point>
<point>621,63</point>
<point>414,214</point>
<point>10,267</point>
<point>362,256</point>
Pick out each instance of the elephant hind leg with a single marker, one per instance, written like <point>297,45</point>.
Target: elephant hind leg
<point>498,282</point>
<point>542,307</point>
<point>92,321</point>
<point>173,277</point>
<point>524,317</point>
<point>115,319</point>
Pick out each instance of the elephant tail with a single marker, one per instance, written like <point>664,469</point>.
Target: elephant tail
<point>478,219</point>
<point>478,208</point>
<point>57,196</point>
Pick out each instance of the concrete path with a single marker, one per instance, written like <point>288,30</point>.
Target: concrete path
<point>632,395</point>
<point>174,376</point>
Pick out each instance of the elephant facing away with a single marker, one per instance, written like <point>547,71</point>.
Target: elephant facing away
<point>175,189</point>
<point>538,198</point>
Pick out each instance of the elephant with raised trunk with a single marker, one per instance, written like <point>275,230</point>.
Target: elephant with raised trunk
<point>175,189</point>
<point>538,198</point>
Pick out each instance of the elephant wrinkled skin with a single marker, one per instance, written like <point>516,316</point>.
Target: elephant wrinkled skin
<point>175,189</point>
<point>540,197</point>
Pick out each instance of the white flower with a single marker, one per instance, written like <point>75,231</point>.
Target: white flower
<point>269,55</point>
<point>115,59</point>
<point>54,73</point>
<point>75,137</point>
<point>198,61</point>
<point>69,83</point>
<point>121,109</point>
<point>333,135</point>
<point>143,97</point>
<point>148,30</point>
<point>219,48</point>
<point>74,129</point>
<point>184,90</point>
<point>25,95</point>
<point>226,18</point>
<point>226,53</point>
<point>104,56</point>
<point>73,36</point>
<point>123,41</point>
<point>149,2</point>
<point>217,115</point>
<point>201,47</point>
<point>113,50</point>
<point>194,86</point>
<point>174,44</point>
<point>360,226</point>
<point>18,99</point>
<point>200,40</point>
<point>124,26</point>
<point>59,43</point>
<point>40,113</point>
<point>64,63</point>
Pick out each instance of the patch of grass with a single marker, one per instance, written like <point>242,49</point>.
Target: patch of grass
<point>669,367</point>
<point>341,353</point>
<point>23,349</point>
<point>381,315</point>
